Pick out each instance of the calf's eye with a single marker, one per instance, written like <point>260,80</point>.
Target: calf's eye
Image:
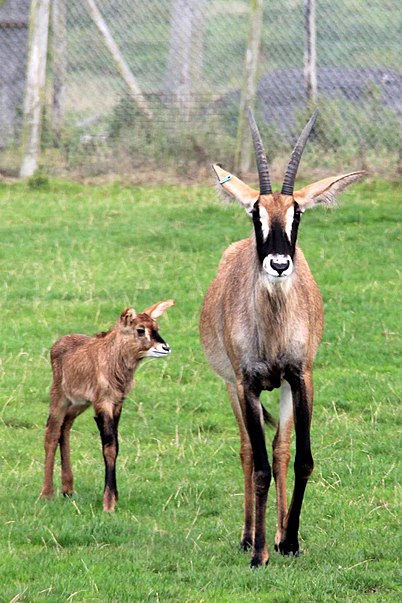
<point>140,331</point>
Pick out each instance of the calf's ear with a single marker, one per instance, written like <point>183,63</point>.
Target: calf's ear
<point>159,308</point>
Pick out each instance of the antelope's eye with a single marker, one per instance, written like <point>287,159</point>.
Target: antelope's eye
<point>141,331</point>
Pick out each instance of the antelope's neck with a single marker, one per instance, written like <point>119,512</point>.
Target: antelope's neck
<point>122,354</point>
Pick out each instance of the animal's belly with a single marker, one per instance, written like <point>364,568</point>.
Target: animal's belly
<point>222,366</point>
<point>79,401</point>
<point>218,358</point>
<point>78,396</point>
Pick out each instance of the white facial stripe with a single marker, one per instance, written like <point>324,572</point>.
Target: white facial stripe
<point>264,222</point>
<point>289,217</point>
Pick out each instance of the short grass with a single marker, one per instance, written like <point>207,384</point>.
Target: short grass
<point>71,258</point>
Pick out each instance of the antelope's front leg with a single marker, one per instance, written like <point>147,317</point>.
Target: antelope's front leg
<point>302,392</point>
<point>107,422</point>
<point>249,398</point>
<point>246,457</point>
<point>281,457</point>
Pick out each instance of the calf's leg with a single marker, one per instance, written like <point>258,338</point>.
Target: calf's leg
<point>58,408</point>
<point>67,479</point>
<point>107,418</point>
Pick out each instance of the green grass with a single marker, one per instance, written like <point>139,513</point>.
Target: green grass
<point>71,258</point>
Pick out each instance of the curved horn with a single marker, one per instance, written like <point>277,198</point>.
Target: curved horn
<point>262,163</point>
<point>290,176</point>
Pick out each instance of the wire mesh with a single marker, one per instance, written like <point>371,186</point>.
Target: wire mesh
<point>188,58</point>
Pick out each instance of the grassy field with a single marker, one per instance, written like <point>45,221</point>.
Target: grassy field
<point>71,258</point>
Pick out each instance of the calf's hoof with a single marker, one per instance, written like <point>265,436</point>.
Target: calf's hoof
<point>109,503</point>
<point>46,494</point>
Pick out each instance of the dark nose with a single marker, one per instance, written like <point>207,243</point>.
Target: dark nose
<point>280,266</point>
<point>166,347</point>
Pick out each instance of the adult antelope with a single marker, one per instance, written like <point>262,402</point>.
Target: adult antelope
<point>261,325</point>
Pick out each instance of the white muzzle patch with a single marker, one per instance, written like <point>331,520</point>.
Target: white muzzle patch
<point>158,351</point>
<point>278,266</point>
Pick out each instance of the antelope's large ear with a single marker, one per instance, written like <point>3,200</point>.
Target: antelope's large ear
<point>325,191</point>
<point>159,308</point>
<point>234,187</point>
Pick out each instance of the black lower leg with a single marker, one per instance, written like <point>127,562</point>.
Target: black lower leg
<point>303,465</point>
<point>110,445</point>
<point>262,475</point>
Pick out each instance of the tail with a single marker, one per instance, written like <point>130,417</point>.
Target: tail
<point>268,418</point>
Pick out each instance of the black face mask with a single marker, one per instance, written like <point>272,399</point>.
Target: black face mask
<point>277,241</point>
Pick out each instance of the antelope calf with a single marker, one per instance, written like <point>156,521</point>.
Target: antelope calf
<point>261,325</point>
<point>97,370</point>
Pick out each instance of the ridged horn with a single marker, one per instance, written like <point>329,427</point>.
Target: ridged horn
<point>261,158</point>
<point>290,175</point>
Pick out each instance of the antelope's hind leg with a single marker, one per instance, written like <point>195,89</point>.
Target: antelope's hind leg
<point>58,408</point>
<point>281,457</point>
<point>246,457</point>
<point>302,392</point>
<point>67,479</point>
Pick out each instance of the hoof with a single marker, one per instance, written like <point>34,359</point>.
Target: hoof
<point>258,562</point>
<point>68,494</point>
<point>109,507</point>
<point>246,544</point>
<point>260,558</point>
<point>109,500</point>
<point>289,548</point>
<point>46,494</point>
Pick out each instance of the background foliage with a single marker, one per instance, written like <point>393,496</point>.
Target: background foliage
<point>190,67</point>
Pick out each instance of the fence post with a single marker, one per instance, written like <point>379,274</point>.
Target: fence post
<point>184,59</point>
<point>243,143</point>
<point>310,56</point>
<point>35,86</point>
<point>59,60</point>
<point>118,59</point>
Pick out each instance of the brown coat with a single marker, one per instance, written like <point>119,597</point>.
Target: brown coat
<point>261,325</point>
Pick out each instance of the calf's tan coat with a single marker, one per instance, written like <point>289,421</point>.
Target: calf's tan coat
<point>97,371</point>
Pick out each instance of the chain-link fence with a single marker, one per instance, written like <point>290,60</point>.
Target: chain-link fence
<point>187,60</point>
